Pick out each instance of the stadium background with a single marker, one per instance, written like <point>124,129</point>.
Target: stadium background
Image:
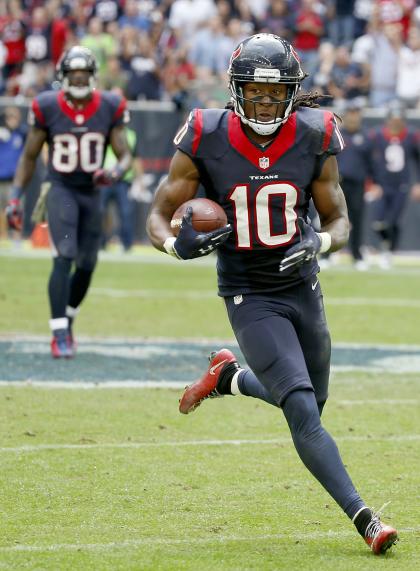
<point>156,53</point>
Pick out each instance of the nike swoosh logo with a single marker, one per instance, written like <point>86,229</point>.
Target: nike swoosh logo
<point>313,286</point>
<point>213,369</point>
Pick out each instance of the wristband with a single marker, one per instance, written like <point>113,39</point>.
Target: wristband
<point>15,193</point>
<point>117,172</point>
<point>325,238</point>
<point>169,248</point>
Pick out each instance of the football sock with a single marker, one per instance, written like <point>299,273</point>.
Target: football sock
<point>225,380</point>
<point>58,325</point>
<point>250,386</point>
<point>79,284</point>
<point>234,389</point>
<point>318,451</point>
<point>58,286</point>
<point>362,519</point>
<point>71,313</point>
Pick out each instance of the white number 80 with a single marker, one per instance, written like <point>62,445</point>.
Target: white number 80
<point>67,149</point>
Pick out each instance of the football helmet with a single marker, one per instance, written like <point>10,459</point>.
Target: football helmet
<point>264,58</point>
<point>75,59</point>
<point>395,110</point>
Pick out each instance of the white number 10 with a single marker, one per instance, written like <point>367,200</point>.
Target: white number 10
<point>263,213</point>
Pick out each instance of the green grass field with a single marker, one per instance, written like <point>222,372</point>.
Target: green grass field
<point>117,479</point>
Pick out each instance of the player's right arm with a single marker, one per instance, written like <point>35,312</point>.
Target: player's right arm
<point>24,171</point>
<point>180,185</point>
<point>27,162</point>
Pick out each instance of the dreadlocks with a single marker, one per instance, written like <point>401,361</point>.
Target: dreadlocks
<point>304,99</point>
<point>307,99</point>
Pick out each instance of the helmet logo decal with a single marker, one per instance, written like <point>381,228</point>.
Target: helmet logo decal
<point>264,162</point>
<point>264,74</point>
<point>294,53</point>
<point>78,63</point>
<point>236,53</point>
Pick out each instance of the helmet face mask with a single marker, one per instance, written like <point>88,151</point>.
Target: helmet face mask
<point>267,59</point>
<point>77,72</point>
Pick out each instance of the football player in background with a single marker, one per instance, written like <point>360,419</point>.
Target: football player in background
<point>77,123</point>
<point>263,161</point>
<point>395,152</point>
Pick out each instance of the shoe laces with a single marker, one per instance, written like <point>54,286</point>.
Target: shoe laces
<point>375,525</point>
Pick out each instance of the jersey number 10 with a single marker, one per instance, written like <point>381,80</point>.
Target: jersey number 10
<point>262,206</point>
<point>70,153</point>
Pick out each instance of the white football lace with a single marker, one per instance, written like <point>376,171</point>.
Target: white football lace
<point>375,525</point>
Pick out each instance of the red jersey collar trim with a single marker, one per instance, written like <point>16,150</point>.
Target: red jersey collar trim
<point>263,159</point>
<point>79,116</point>
<point>389,136</point>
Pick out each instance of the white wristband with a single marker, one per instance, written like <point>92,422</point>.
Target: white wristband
<point>325,238</point>
<point>168,246</point>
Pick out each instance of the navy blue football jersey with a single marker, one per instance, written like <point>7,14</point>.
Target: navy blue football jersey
<point>262,190</point>
<point>394,157</point>
<point>354,162</point>
<point>77,138</point>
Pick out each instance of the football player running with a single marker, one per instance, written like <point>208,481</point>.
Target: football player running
<point>262,161</point>
<point>77,123</point>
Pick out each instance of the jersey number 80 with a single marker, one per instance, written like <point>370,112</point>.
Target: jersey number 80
<point>70,153</point>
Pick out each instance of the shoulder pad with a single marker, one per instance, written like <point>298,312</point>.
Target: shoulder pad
<point>204,134</point>
<point>321,128</point>
<point>118,107</point>
<point>40,107</point>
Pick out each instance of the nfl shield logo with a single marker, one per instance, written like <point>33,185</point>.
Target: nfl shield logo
<point>264,162</point>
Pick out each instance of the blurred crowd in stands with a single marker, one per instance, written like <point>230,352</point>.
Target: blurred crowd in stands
<point>179,50</point>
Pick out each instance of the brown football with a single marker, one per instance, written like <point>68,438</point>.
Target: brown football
<point>207,215</point>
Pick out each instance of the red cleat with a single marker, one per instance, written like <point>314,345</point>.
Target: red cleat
<point>380,537</point>
<point>206,386</point>
<point>60,347</point>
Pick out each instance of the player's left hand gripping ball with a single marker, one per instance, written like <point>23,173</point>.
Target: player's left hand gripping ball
<point>192,244</point>
<point>14,214</point>
<point>303,251</point>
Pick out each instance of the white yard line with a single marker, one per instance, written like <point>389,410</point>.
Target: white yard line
<point>206,294</point>
<point>379,301</point>
<point>194,443</point>
<point>379,402</point>
<point>180,385</point>
<point>202,341</point>
<point>190,541</point>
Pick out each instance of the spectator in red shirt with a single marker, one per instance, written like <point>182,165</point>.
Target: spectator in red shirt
<point>59,31</point>
<point>309,30</point>
<point>12,34</point>
<point>397,11</point>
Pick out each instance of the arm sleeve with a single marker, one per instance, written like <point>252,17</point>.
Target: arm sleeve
<point>36,115</point>
<point>189,136</point>
<point>332,141</point>
<point>121,114</point>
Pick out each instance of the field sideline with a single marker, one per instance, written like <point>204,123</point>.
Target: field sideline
<point>117,479</point>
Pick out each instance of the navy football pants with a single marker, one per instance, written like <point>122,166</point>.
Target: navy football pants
<point>74,222</point>
<point>285,340</point>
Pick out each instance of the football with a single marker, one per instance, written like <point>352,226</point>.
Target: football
<point>207,215</point>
